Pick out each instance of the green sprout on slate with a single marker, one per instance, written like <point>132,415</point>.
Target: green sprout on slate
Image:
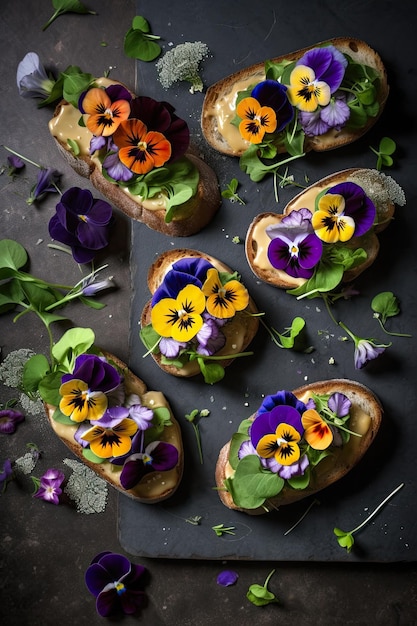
<point>345,539</point>
<point>259,594</point>
<point>221,529</point>
<point>231,192</point>
<point>387,147</point>
<point>139,43</point>
<point>67,6</point>
<point>386,305</point>
<point>191,417</point>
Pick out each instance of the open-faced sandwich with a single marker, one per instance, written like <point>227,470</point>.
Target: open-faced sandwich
<point>326,235</point>
<point>110,420</point>
<point>136,152</point>
<point>296,444</point>
<point>317,98</point>
<point>200,317</point>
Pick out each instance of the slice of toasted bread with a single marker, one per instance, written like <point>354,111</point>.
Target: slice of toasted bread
<point>239,331</point>
<point>257,240</point>
<point>366,415</point>
<point>155,486</point>
<point>220,101</point>
<point>189,218</point>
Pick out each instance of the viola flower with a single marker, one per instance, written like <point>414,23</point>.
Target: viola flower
<point>47,180</point>
<point>84,391</point>
<point>256,120</point>
<point>110,436</point>
<point>315,77</point>
<point>139,149</point>
<point>318,433</point>
<point>183,272</point>
<point>343,211</point>
<point>365,349</point>
<point>210,338</point>
<point>81,222</point>
<point>6,475</point>
<point>113,165</point>
<point>32,79</point>
<point>227,578</point>
<point>273,94</point>
<point>15,164</point>
<point>158,456</point>
<point>179,318</point>
<point>50,486</point>
<point>104,113</point>
<point>276,434</point>
<point>171,348</point>
<point>339,404</point>
<point>140,414</point>
<point>9,419</point>
<point>224,300</point>
<point>116,583</point>
<point>334,115</point>
<point>294,246</point>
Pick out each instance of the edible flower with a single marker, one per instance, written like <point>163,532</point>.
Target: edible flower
<point>256,120</point>
<point>9,419</point>
<point>116,583</point>
<point>224,300</point>
<point>84,391</point>
<point>227,577</point>
<point>110,436</point>
<point>343,211</point>
<point>49,486</point>
<point>366,350</point>
<point>32,79</point>
<point>15,164</point>
<point>47,180</point>
<point>104,113</point>
<point>273,94</point>
<point>294,247</point>
<point>6,475</point>
<point>139,149</point>
<point>316,75</point>
<point>158,456</point>
<point>180,318</point>
<point>277,434</point>
<point>81,222</point>
<point>317,432</point>
<point>334,115</point>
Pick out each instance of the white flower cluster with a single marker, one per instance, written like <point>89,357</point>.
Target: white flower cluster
<point>11,369</point>
<point>85,488</point>
<point>181,63</point>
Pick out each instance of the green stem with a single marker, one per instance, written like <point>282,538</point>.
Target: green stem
<point>57,13</point>
<point>22,157</point>
<point>378,508</point>
<point>387,332</point>
<point>198,438</point>
<point>269,578</point>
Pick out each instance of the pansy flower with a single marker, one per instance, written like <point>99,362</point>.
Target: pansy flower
<point>294,246</point>
<point>277,434</point>
<point>81,222</point>
<point>334,115</point>
<point>315,77</point>
<point>84,391</point>
<point>210,338</point>
<point>343,211</point>
<point>224,300</point>
<point>32,78</point>
<point>49,488</point>
<point>180,317</point>
<point>183,272</point>
<point>111,435</point>
<point>104,113</point>
<point>158,456</point>
<point>318,433</point>
<point>116,583</point>
<point>140,149</point>
<point>256,120</point>
<point>9,419</point>
<point>273,94</point>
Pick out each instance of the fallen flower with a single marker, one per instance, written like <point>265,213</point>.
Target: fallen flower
<point>46,183</point>
<point>49,485</point>
<point>9,419</point>
<point>227,577</point>
<point>116,583</point>
<point>15,164</point>
<point>365,349</point>
<point>5,475</point>
<point>32,79</point>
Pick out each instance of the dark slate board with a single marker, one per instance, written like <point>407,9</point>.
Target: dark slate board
<point>237,38</point>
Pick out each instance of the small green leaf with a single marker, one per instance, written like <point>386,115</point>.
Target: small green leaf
<point>34,370</point>
<point>387,145</point>
<point>259,594</point>
<point>386,305</point>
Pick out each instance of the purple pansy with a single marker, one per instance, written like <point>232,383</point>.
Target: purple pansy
<point>9,419</point>
<point>50,486</point>
<point>47,180</point>
<point>15,164</point>
<point>281,398</point>
<point>268,422</point>
<point>339,404</point>
<point>81,222</point>
<point>5,475</point>
<point>334,115</point>
<point>96,372</point>
<point>114,167</point>
<point>227,577</point>
<point>366,350</point>
<point>294,246</point>
<point>210,338</point>
<point>328,64</point>
<point>357,205</point>
<point>116,583</point>
<point>273,94</point>
<point>171,347</point>
<point>188,271</point>
<point>158,456</point>
<point>32,79</point>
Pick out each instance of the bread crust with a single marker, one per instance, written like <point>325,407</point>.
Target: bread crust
<point>246,325</point>
<point>279,278</point>
<point>357,49</point>
<point>362,398</point>
<point>133,385</point>
<point>191,217</point>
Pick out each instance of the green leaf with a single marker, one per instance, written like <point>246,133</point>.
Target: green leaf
<point>212,372</point>
<point>66,6</point>
<point>344,539</point>
<point>386,305</point>
<point>259,594</point>
<point>150,338</point>
<point>75,82</point>
<point>250,486</point>
<point>75,148</point>
<point>138,46</point>
<point>12,254</point>
<point>34,370</point>
<point>387,145</point>
<point>49,388</point>
<point>73,342</point>
<point>288,340</point>
<point>140,23</point>
<point>90,456</point>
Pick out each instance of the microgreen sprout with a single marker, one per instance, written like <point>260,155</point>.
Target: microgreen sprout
<point>386,148</point>
<point>139,42</point>
<point>221,529</point>
<point>67,6</point>
<point>386,305</point>
<point>191,417</point>
<point>288,338</point>
<point>306,512</point>
<point>236,239</point>
<point>231,192</point>
<point>345,539</point>
<point>195,520</point>
<point>259,594</point>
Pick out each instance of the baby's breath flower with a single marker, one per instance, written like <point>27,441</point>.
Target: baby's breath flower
<point>11,370</point>
<point>85,488</point>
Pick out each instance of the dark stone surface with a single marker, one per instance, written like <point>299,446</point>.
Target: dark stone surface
<point>45,550</point>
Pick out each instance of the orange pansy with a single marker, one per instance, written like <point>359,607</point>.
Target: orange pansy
<point>139,149</point>
<point>317,433</point>
<point>104,116</point>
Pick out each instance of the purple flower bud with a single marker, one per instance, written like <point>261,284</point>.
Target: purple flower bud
<point>32,79</point>
<point>9,419</point>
